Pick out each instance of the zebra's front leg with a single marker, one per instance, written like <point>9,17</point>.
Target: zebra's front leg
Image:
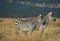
<point>30,31</point>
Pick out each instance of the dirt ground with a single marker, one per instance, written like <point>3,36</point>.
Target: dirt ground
<point>7,32</point>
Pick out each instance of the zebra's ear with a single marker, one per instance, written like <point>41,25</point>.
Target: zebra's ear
<point>50,13</point>
<point>40,15</point>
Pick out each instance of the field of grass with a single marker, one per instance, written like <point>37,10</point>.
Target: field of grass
<point>7,32</point>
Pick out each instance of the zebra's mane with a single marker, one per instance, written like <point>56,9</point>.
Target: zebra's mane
<point>28,19</point>
<point>36,15</point>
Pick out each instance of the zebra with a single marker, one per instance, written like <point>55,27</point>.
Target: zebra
<point>37,22</point>
<point>24,26</point>
<point>28,25</point>
<point>48,17</point>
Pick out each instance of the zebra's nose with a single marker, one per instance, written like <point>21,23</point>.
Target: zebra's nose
<point>54,20</point>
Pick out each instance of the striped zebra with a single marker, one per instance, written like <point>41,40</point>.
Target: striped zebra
<point>24,26</point>
<point>48,17</point>
<point>37,22</point>
<point>41,22</point>
<point>28,25</point>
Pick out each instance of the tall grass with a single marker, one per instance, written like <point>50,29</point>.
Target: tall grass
<point>7,32</point>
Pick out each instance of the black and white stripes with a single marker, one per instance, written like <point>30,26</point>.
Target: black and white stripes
<point>38,22</point>
<point>23,25</point>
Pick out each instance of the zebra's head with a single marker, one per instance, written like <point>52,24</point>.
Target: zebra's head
<point>46,20</point>
<point>39,18</point>
<point>49,17</point>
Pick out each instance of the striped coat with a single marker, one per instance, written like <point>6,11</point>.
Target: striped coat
<point>37,22</point>
<point>48,17</point>
<point>28,25</point>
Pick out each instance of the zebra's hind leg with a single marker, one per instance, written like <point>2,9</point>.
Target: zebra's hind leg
<point>17,31</point>
<point>30,32</point>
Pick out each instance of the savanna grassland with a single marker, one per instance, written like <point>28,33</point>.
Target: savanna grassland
<point>7,32</point>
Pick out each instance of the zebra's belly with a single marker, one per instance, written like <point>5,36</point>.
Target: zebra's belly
<point>24,28</point>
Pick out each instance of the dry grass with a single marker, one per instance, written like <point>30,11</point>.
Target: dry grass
<point>7,32</point>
